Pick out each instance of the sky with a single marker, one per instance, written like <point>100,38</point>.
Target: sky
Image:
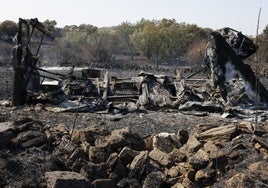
<point>241,15</point>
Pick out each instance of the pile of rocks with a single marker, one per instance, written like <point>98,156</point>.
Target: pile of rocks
<point>33,154</point>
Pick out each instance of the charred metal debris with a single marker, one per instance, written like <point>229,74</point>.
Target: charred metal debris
<point>232,83</point>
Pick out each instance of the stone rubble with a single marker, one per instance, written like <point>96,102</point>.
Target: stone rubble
<point>208,155</point>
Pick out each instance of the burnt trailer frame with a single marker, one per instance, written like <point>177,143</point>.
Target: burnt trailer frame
<point>24,61</point>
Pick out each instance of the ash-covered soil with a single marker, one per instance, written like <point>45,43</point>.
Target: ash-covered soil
<point>145,122</point>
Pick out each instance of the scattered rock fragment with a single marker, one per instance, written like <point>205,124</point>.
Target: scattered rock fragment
<point>199,160</point>
<point>67,179</point>
<point>154,179</point>
<point>94,171</point>
<point>219,134</point>
<point>166,142</point>
<point>139,165</point>
<point>103,183</point>
<point>162,158</point>
<point>126,182</point>
<point>260,170</point>
<point>192,145</point>
<point>119,171</point>
<point>127,155</point>
<point>173,172</point>
<point>89,134</point>
<point>121,158</point>
<point>238,180</point>
<point>205,177</point>
<point>115,142</point>
<point>183,136</point>
<point>186,170</point>
<point>77,154</point>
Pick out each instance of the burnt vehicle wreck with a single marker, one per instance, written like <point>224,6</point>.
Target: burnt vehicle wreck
<point>91,91</point>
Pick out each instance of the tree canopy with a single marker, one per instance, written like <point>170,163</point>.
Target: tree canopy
<point>263,45</point>
<point>157,40</point>
<point>9,28</point>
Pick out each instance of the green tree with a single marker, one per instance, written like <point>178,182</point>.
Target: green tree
<point>50,25</point>
<point>8,28</point>
<point>80,33</point>
<point>103,44</point>
<point>123,33</point>
<point>144,38</point>
<point>263,45</point>
<point>165,38</point>
<point>196,50</point>
<point>178,37</point>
